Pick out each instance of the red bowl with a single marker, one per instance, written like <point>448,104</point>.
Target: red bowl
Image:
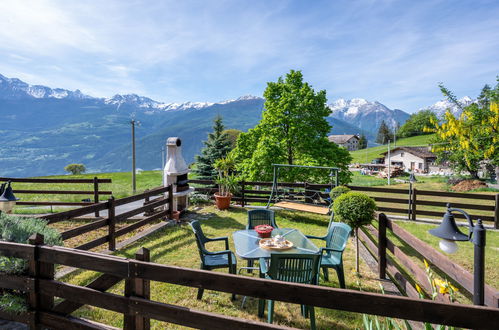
<point>264,231</point>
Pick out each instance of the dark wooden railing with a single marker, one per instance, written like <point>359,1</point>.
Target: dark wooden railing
<point>137,309</point>
<point>412,203</point>
<point>151,208</point>
<point>394,262</point>
<point>95,192</point>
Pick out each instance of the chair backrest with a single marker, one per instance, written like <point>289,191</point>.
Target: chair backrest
<point>200,238</point>
<point>298,268</point>
<point>260,217</point>
<point>337,236</point>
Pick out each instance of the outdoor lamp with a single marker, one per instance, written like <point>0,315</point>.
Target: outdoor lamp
<point>412,178</point>
<point>7,199</point>
<point>449,234</point>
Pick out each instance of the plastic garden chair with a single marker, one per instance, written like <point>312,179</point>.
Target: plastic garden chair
<point>297,268</point>
<point>213,260</point>
<point>260,217</point>
<point>332,255</point>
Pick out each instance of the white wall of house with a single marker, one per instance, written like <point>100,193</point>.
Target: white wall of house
<point>407,159</point>
<point>351,145</point>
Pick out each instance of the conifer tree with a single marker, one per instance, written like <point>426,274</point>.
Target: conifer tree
<point>384,133</point>
<point>362,141</point>
<point>216,146</point>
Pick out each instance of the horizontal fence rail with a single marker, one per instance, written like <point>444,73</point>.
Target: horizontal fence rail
<point>95,192</point>
<point>136,306</point>
<point>411,203</point>
<point>378,243</point>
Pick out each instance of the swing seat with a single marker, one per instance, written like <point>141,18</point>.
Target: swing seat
<point>303,207</point>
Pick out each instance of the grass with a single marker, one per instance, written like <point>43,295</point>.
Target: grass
<point>367,155</point>
<point>176,246</point>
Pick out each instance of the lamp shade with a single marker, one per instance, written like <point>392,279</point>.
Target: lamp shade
<point>412,178</point>
<point>448,229</point>
<point>8,195</point>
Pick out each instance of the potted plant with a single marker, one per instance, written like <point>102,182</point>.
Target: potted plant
<point>355,209</point>
<point>227,182</point>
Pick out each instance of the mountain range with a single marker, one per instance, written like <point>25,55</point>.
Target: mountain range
<point>45,129</point>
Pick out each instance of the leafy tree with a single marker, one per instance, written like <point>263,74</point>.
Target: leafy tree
<point>384,133</point>
<point>293,130</point>
<point>75,169</point>
<point>216,146</point>
<point>471,138</point>
<point>232,134</point>
<point>362,141</point>
<point>416,123</point>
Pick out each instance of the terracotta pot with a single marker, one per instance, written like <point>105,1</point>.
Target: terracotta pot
<point>176,215</point>
<point>222,202</point>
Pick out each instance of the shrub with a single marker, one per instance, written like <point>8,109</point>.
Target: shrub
<point>75,169</point>
<point>337,192</point>
<point>354,208</point>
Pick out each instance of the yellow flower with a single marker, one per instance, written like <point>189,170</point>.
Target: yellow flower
<point>426,264</point>
<point>420,291</point>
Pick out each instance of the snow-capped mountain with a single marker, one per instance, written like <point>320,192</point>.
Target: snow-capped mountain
<point>442,106</point>
<point>13,89</point>
<point>366,115</point>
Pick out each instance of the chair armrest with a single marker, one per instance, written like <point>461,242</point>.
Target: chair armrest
<point>225,238</point>
<point>263,266</point>
<point>316,237</point>
<point>330,249</point>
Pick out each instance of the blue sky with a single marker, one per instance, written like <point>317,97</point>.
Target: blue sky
<point>395,52</point>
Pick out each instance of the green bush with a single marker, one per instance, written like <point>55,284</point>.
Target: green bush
<point>354,208</point>
<point>337,192</point>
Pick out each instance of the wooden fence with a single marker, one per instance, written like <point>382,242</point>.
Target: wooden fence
<point>404,271</point>
<point>413,203</point>
<point>152,209</point>
<point>138,309</point>
<point>95,192</point>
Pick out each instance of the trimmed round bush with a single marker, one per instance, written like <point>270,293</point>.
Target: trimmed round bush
<point>337,192</point>
<point>355,209</point>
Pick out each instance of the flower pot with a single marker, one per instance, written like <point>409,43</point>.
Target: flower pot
<point>176,215</point>
<point>222,202</point>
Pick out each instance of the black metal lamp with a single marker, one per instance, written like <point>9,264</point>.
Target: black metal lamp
<point>7,199</point>
<point>412,178</point>
<point>449,234</point>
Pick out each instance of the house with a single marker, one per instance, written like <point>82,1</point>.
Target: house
<point>350,142</point>
<point>418,159</point>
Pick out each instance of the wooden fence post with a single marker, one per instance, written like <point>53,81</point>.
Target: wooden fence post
<point>170,201</point>
<point>111,212</point>
<point>96,194</point>
<point>382,221</point>
<point>413,204</point>
<point>242,194</point>
<point>39,270</point>
<point>496,213</point>
<point>138,287</point>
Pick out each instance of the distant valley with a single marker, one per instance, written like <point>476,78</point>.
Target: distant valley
<point>44,129</point>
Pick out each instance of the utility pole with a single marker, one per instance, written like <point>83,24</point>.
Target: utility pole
<point>389,161</point>
<point>134,184</point>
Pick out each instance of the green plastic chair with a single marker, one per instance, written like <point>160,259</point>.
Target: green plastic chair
<point>332,255</point>
<point>213,260</point>
<point>297,268</point>
<point>260,217</point>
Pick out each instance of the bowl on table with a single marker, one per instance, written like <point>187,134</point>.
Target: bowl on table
<point>264,231</point>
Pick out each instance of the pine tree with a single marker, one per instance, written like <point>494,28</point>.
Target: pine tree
<point>216,146</point>
<point>362,141</point>
<point>384,133</point>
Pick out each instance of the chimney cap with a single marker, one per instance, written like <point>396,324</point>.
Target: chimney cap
<point>172,141</point>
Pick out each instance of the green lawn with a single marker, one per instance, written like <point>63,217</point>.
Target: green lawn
<point>366,155</point>
<point>176,246</point>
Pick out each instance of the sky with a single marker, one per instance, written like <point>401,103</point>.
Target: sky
<point>394,52</point>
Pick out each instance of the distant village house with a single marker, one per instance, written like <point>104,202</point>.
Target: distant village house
<point>419,159</point>
<point>350,142</point>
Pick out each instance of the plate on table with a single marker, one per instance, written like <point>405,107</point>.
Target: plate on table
<point>270,244</point>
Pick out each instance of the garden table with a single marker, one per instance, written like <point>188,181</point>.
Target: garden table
<point>246,243</point>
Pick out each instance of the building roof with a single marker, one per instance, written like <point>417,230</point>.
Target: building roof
<point>422,152</point>
<point>340,139</point>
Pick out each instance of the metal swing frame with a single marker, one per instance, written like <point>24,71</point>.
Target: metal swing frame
<point>333,171</point>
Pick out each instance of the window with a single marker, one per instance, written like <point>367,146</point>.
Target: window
<point>420,166</point>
